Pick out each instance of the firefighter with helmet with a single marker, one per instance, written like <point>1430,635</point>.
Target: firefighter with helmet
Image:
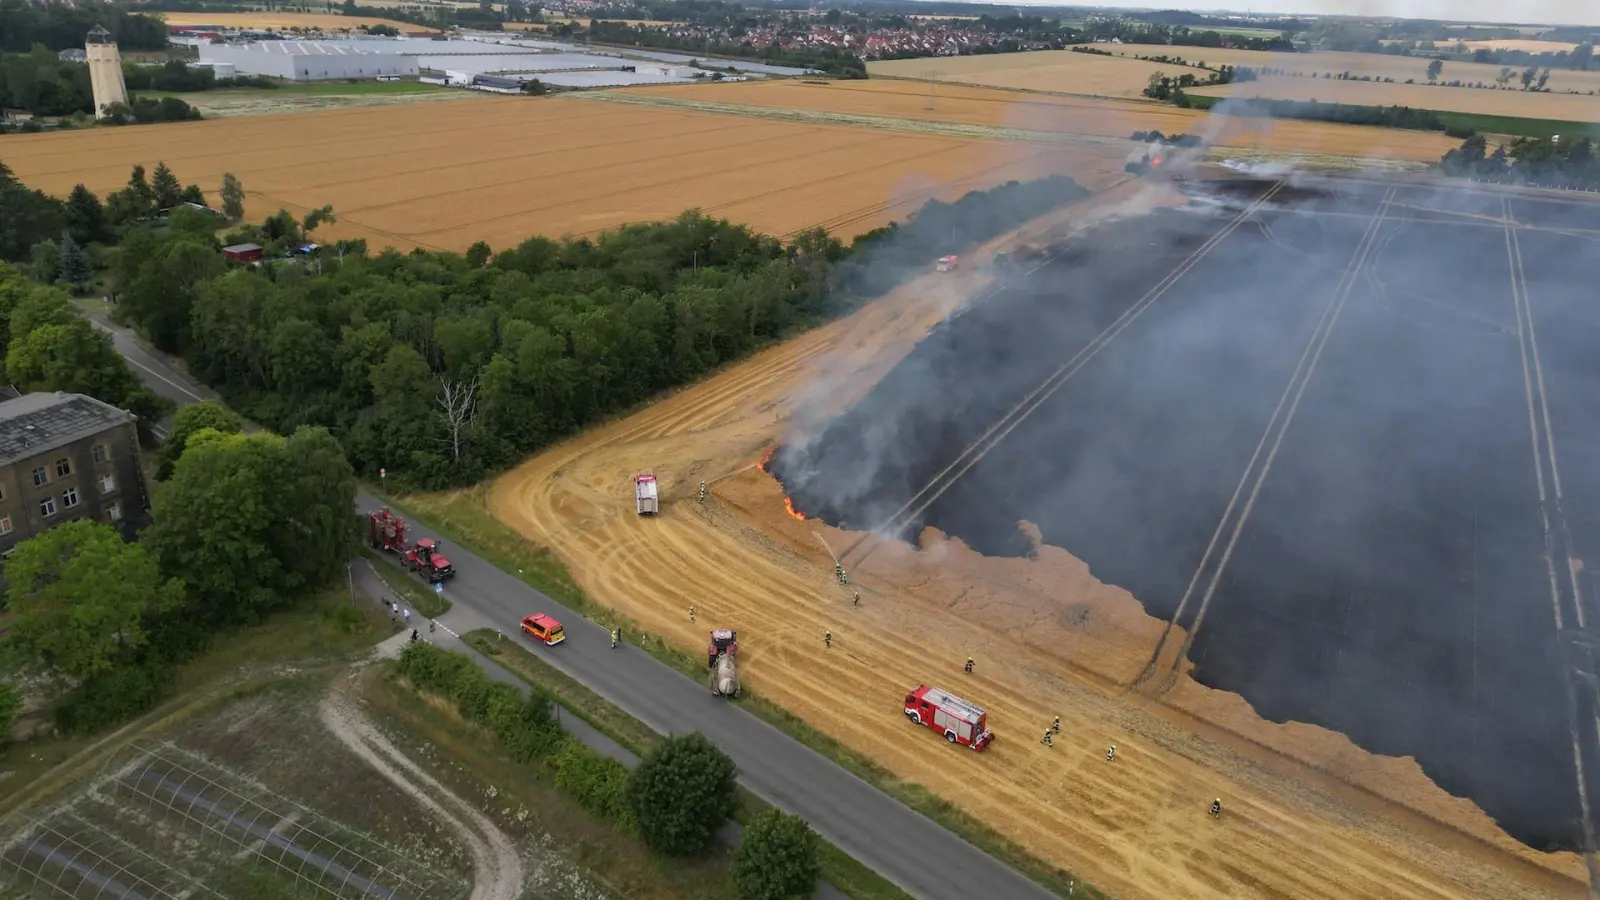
<point>827,639</point>
<point>1216,808</point>
<point>1047,739</point>
<point>968,668</point>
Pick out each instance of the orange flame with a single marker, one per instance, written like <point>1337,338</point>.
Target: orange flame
<point>788,504</point>
<point>1157,161</point>
<point>766,459</point>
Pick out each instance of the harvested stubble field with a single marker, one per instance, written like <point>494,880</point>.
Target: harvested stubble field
<point>1525,46</point>
<point>1521,104</point>
<point>280,20</point>
<point>502,170</point>
<point>1061,71</point>
<point>1066,116</point>
<point>1136,827</point>
<point>1376,65</point>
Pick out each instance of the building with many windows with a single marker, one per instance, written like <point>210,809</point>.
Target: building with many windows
<point>63,457</point>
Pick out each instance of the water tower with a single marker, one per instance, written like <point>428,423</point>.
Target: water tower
<point>105,71</point>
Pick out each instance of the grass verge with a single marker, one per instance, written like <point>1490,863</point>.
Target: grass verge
<point>463,516</point>
<point>409,591</point>
<point>839,869</point>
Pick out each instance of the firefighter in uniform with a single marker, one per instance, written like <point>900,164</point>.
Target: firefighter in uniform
<point>1047,739</point>
<point>702,492</point>
<point>1216,808</point>
<point>855,599</point>
<point>827,639</point>
<point>1056,725</point>
<point>968,668</point>
<point>691,614</point>
<point>1111,753</point>
<point>615,634</point>
<point>838,573</point>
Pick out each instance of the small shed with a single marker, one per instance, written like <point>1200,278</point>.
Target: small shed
<point>242,253</point>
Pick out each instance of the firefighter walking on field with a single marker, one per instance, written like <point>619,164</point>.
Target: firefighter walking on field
<point>1056,725</point>
<point>1111,753</point>
<point>702,492</point>
<point>1216,808</point>
<point>968,668</point>
<point>1047,740</point>
<point>827,639</point>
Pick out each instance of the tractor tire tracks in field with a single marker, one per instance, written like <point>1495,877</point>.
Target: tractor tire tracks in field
<point>497,866</point>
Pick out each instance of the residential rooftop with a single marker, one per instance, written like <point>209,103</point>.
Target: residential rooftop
<point>38,423</point>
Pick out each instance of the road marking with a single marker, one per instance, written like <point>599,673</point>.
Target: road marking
<point>1290,401</point>
<point>1030,403</point>
<point>187,392</point>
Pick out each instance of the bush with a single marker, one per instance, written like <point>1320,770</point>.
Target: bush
<point>681,793</point>
<point>106,699</point>
<point>777,859</point>
<point>527,728</point>
<point>598,783</point>
<point>10,705</point>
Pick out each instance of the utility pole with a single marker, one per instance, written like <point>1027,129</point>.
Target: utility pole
<point>351,575</point>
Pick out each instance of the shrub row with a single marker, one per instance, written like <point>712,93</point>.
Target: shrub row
<point>526,727</point>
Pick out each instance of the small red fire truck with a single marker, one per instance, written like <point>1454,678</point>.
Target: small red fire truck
<point>959,721</point>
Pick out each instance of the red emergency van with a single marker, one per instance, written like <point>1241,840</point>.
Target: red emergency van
<point>959,721</point>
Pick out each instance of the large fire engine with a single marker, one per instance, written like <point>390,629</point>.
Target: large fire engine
<point>959,721</point>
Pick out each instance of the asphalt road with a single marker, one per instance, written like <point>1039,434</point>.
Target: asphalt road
<point>908,849</point>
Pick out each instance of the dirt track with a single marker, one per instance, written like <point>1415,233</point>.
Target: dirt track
<point>1048,639</point>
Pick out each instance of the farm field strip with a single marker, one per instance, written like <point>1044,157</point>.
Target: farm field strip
<point>321,21</point>
<point>505,169</point>
<point>1570,107</point>
<point>1077,73</point>
<point>1042,118</point>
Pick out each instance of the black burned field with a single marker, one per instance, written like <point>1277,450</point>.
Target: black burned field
<point>1344,433</point>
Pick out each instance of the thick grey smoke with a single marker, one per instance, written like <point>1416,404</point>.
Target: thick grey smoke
<point>1332,396</point>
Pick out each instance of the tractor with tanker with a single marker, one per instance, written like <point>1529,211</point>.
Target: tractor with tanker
<point>722,658</point>
<point>387,532</point>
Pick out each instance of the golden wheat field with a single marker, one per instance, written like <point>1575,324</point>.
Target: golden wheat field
<point>1048,637</point>
<point>1066,116</point>
<point>1061,71</point>
<point>1566,107</point>
<point>500,170</point>
<point>281,20</point>
<point>1523,45</point>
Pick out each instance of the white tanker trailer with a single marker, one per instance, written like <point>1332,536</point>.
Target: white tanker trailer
<point>722,658</point>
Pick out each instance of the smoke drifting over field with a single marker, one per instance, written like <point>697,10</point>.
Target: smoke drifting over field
<point>1334,403</point>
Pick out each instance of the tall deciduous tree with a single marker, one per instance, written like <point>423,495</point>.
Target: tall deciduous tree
<point>188,421</point>
<point>80,597</point>
<point>1434,68</point>
<point>232,197</point>
<point>253,520</point>
<point>776,859</point>
<point>681,793</point>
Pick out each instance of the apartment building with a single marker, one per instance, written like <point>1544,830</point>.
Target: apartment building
<point>63,457</point>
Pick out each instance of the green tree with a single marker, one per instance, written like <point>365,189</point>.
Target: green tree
<point>193,194</point>
<point>252,521</point>
<point>681,793</point>
<point>167,189</point>
<point>1434,68</point>
<point>478,255</point>
<point>316,217</point>
<point>81,596</point>
<point>74,268</point>
<point>86,217</point>
<point>26,217</point>
<point>189,420</point>
<point>776,859</point>
<point>160,299</point>
<point>1583,55</point>
<point>46,261</point>
<point>232,197</point>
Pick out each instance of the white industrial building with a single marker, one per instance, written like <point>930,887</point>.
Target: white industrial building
<point>314,60</point>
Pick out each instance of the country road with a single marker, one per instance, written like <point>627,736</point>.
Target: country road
<point>903,846</point>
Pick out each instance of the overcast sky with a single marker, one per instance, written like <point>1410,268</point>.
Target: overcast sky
<point>1555,12</point>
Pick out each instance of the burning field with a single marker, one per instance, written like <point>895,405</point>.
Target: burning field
<point>1322,470</point>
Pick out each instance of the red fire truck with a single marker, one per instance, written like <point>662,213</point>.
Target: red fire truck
<point>959,721</point>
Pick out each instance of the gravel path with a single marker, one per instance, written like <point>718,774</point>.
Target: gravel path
<point>497,867</point>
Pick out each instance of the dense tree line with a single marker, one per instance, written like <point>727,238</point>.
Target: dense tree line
<point>29,218</point>
<point>1134,31</point>
<point>1563,162</point>
<point>39,83</point>
<point>60,26</point>
<point>1312,110</point>
<point>440,367</point>
<point>831,60</point>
